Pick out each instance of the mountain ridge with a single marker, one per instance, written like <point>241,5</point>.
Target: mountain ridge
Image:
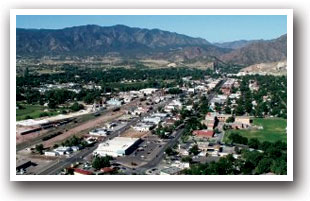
<point>134,42</point>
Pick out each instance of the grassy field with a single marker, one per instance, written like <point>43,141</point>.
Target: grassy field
<point>273,129</point>
<point>32,111</point>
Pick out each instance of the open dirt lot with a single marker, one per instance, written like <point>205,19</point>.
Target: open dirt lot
<point>133,133</point>
<point>83,127</point>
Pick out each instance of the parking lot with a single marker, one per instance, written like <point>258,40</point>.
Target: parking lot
<point>146,151</point>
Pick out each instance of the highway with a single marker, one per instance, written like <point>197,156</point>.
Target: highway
<point>178,133</point>
<point>153,163</point>
<point>60,164</point>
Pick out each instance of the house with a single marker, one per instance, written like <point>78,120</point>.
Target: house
<point>154,120</point>
<point>243,120</point>
<point>78,171</point>
<point>253,85</point>
<point>203,133</point>
<point>180,164</point>
<point>107,169</point>
<point>169,122</point>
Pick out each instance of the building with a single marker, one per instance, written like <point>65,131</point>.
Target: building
<point>63,150</point>
<point>98,132</point>
<point>170,171</point>
<point>142,127</point>
<point>75,148</point>
<point>148,91</point>
<point>243,120</point>
<point>118,146</point>
<point>114,102</point>
<point>169,122</point>
<point>203,133</point>
<point>152,119</point>
<point>78,171</point>
<point>253,85</point>
<point>51,153</point>
<point>211,116</point>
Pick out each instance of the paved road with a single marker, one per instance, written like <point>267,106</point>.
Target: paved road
<point>153,163</point>
<point>159,156</point>
<point>58,165</point>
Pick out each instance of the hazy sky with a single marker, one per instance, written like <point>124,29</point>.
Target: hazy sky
<point>214,28</point>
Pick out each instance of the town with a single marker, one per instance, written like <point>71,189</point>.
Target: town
<point>165,121</point>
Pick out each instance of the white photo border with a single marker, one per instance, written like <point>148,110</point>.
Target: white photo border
<point>287,12</point>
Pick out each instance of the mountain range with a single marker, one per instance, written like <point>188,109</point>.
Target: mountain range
<point>129,42</point>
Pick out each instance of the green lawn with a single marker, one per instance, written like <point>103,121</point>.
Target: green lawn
<point>33,111</point>
<point>273,129</point>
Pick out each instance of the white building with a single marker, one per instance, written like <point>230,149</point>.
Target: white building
<point>148,91</point>
<point>51,153</point>
<point>142,127</point>
<point>153,120</point>
<point>98,132</point>
<point>114,102</point>
<point>63,150</point>
<point>75,148</point>
<point>118,146</point>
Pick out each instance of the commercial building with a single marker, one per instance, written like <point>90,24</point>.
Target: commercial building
<point>203,133</point>
<point>98,132</point>
<point>142,127</point>
<point>51,153</point>
<point>118,146</point>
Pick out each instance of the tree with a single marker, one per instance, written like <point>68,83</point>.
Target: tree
<point>227,109</point>
<point>170,152</point>
<point>76,106</point>
<point>230,119</point>
<point>254,143</point>
<point>239,110</point>
<point>39,148</point>
<point>263,166</point>
<point>100,162</point>
<point>194,150</point>
<point>265,145</point>
<point>52,104</point>
<point>279,166</point>
<point>236,138</point>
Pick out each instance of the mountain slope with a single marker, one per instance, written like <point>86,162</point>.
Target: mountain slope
<point>235,44</point>
<point>92,39</point>
<point>136,43</point>
<point>259,52</point>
